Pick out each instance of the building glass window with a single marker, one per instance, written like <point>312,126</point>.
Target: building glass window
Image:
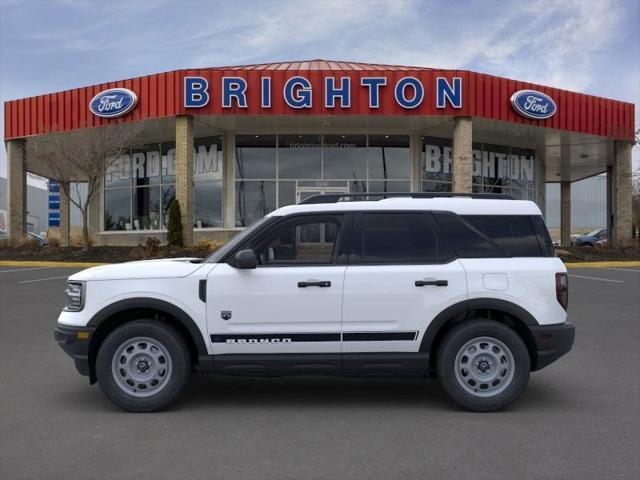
<point>255,156</point>
<point>295,167</point>
<point>207,178</point>
<point>146,208</point>
<point>254,199</point>
<point>345,157</point>
<point>149,172</point>
<point>299,156</point>
<point>436,165</point>
<point>117,209</point>
<point>496,168</point>
<point>389,157</point>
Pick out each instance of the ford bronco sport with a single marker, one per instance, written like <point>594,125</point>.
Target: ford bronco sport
<point>462,287</point>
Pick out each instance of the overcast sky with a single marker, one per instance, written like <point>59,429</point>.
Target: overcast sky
<point>582,45</point>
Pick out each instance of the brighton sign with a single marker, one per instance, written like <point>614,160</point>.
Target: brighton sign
<point>113,103</point>
<point>533,104</point>
<point>408,92</point>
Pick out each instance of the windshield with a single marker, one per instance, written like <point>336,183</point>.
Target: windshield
<point>239,238</point>
<point>594,233</point>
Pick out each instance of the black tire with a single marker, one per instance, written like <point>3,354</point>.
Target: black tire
<point>177,377</point>
<point>458,387</point>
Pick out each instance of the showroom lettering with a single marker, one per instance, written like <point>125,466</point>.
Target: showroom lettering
<point>486,164</point>
<point>151,163</point>
<point>297,92</point>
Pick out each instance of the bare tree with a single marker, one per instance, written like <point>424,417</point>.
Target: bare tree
<point>82,156</point>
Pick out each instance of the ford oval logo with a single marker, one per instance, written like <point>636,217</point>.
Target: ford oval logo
<point>114,102</point>
<point>533,104</point>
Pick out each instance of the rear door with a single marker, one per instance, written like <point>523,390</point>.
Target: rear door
<point>401,274</point>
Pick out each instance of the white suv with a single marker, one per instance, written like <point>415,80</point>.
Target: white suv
<point>460,287</point>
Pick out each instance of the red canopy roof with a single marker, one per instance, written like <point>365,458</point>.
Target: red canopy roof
<point>161,95</point>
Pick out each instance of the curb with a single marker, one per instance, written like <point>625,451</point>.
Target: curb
<point>27,263</point>
<point>602,264</point>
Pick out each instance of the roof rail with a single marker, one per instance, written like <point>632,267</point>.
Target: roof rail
<point>364,196</point>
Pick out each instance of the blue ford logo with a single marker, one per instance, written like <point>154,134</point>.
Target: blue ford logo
<point>533,104</point>
<point>114,102</point>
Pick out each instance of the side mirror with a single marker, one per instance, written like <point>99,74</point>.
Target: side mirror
<point>245,259</point>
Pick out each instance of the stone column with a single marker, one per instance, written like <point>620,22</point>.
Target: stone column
<point>228,180</point>
<point>540,181</point>
<point>462,154</point>
<point>622,193</point>
<point>610,203</point>
<point>415,147</point>
<point>184,174</point>
<point>565,213</point>
<point>16,191</point>
<point>65,218</point>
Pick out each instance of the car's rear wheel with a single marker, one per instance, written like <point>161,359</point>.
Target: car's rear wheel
<point>143,365</point>
<point>483,365</point>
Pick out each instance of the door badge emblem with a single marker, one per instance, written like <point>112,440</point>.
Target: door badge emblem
<point>225,314</point>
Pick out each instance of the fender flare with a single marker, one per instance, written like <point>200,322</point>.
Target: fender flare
<point>153,304</point>
<point>460,309</point>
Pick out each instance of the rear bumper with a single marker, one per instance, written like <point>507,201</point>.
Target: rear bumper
<point>75,343</point>
<point>552,342</point>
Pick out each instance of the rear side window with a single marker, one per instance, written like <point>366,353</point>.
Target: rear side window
<point>513,234</point>
<point>399,238</point>
<point>466,240</point>
<point>544,239</point>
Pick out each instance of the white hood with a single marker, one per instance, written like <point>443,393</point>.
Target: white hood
<point>162,268</point>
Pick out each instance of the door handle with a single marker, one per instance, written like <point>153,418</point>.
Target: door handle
<point>314,283</point>
<point>437,283</point>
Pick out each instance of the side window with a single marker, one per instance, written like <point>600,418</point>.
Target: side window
<point>514,234</point>
<point>398,238</point>
<point>303,241</point>
<point>465,240</point>
<point>544,239</point>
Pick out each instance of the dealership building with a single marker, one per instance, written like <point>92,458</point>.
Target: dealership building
<point>234,143</point>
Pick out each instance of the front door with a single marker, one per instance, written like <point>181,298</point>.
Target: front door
<point>290,303</point>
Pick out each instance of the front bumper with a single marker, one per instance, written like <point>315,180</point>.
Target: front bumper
<point>75,343</point>
<point>552,342</point>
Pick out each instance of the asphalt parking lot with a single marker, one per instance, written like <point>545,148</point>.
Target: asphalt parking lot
<point>578,419</point>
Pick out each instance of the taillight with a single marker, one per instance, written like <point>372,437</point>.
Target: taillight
<point>562,289</point>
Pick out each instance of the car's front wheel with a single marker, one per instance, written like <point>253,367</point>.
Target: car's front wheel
<point>143,365</point>
<point>483,365</point>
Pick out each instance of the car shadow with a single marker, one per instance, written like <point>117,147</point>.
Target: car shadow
<point>205,392</point>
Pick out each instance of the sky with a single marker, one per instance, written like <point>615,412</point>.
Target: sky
<point>582,45</point>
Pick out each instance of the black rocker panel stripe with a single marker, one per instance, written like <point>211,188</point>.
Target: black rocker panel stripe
<point>314,337</point>
<point>378,336</point>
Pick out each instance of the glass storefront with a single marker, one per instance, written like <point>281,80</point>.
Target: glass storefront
<point>278,170</point>
<point>496,169</point>
<point>140,186</point>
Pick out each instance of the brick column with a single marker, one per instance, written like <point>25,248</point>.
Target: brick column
<point>462,154</point>
<point>184,174</point>
<point>565,213</point>
<point>228,180</point>
<point>16,191</point>
<point>622,192</point>
<point>415,147</point>
<point>65,218</point>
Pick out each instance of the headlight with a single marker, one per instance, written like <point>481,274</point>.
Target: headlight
<point>74,295</point>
